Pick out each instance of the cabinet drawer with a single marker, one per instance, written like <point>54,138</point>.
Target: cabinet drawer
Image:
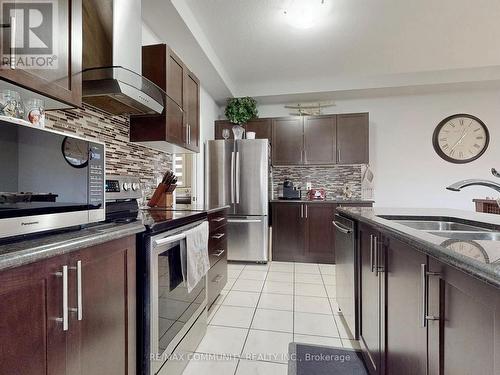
<point>216,280</point>
<point>217,236</point>
<point>218,252</point>
<point>216,220</point>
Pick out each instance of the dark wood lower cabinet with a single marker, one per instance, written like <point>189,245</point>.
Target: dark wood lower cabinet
<point>31,309</point>
<point>288,231</point>
<point>319,233</point>
<point>372,295</point>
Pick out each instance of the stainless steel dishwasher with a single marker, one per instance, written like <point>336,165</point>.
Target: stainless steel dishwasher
<point>346,259</point>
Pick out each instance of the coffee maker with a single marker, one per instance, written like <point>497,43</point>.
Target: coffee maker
<point>290,192</point>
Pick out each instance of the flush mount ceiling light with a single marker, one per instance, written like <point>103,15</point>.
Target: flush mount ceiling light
<point>304,14</point>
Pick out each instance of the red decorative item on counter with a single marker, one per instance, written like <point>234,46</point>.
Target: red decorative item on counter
<point>316,195</point>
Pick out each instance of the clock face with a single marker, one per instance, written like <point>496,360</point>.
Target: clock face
<point>461,138</point>
<point>75,152</point>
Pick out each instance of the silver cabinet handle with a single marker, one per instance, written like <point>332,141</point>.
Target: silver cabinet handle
<point>424,280</point>
<point>219,253</point>
<point>237,177</point>
<point>244,221</point>
<point>217,279</point>
<point>375,254</point>
<point>301,211</point>
<point>79,295</point>
<point>306,210</point>
<point>65,311</point>
<point>218,236</point>
<point>218,219</point>
<point>232,177</point>
<point>338,155</point>
<point>341,228</point>
<point>371,252</point>
<point>189,134</point>
<point>13,42</point>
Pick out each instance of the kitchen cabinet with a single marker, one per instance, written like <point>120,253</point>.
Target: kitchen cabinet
<point>319,233</point>
<point>319,140</point>
<point>353,138</point>
<point>261,126</point>
<point>177,129</point>
<point>372,295</point>
<point>217,251</point>
<point>100,332</point>
<point>288,141</point>
<point>288,231</point>
<point>62,80</point>
<point>192,115</point>
<point>406,333</point>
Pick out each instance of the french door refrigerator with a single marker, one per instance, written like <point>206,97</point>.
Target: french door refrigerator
<point>237,174</point>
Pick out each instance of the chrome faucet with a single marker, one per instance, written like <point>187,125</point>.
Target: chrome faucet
<point>457,186</point>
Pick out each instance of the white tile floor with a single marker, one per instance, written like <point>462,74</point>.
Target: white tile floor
<point>262,309</point>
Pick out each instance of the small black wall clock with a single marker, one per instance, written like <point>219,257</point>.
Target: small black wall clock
<point>461,138</point>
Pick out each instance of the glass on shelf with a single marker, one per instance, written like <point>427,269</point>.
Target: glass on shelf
<point>225,134</point>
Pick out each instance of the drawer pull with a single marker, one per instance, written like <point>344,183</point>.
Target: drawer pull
<point>218,236</point>
<point>218,219</point>
<point>219,253</point>
<point>217,279</point>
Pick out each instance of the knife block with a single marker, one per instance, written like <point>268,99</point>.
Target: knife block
<point>163,196</point>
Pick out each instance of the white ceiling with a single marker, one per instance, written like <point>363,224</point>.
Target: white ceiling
<point>355,44</point>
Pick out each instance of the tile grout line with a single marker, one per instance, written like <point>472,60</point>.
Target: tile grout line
<point>331,307</point>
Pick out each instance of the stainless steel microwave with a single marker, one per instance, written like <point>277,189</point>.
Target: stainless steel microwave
<point>48,180</point>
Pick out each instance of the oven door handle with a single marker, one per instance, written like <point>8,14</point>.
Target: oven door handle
<point>167,240</point>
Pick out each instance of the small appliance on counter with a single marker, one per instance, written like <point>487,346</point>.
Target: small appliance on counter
<point>289,192</point>
<point>316,194</point>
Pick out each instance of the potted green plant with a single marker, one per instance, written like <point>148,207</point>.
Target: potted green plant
<point>239,111</point>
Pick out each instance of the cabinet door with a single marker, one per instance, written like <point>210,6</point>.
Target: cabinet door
<point>175,78</point>
<point>106,338</point>
<point>371,315</point>
<point>288,231</point>
<point>353,138</point>
<point>319,140</point>
<point>469,312</point>
<point>288,141</point>
<point>31,301</point>
<point>262,128</point>
<point>406,350</point>
<point>320,242</point>
<point>192,111</point>
<point>220,126</point>
<point>58,51</point>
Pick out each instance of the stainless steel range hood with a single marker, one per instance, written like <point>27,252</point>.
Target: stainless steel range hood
<point>112,59</point>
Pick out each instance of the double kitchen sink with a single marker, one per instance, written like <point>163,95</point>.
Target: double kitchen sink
<point>449,228</point>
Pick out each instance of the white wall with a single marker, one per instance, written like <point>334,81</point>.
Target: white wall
<point>408,172</point>
<point>209,112</point>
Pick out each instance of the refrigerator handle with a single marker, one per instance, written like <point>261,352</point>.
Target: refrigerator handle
<point>232,177</point>
<point>237,177</point>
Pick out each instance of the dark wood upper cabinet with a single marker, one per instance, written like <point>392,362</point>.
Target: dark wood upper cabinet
<point>261,126</point>
<point>288,141</point>
<point>62,81</point>
<point>319,140</point>
<point>177,129</point>
<point>31,311</point>
<point>353,138</point>
<point>192,115</point>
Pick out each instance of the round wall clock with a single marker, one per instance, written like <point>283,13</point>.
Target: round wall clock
<point>75,152</point>
<point>468,248</point>
<point>461,138</point>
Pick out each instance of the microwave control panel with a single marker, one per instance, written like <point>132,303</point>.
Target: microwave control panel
<point>96,174</point>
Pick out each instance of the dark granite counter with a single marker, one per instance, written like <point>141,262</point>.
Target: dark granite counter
<point>326,201</point>
<point>198,207</point>
<point>44,246</point>
<point>477,258</point>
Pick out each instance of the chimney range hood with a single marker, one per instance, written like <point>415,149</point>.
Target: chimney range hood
<point>112,54</point>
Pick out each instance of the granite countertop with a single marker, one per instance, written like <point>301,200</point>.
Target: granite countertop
<point>198,207</point>
<point>44,246</point>
<point>334,201</point>
<point>461,254</point>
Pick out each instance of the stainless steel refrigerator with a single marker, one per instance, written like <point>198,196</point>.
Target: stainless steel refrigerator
<point>237,174</point>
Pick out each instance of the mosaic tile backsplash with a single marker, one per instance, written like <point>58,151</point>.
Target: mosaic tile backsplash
<point>331,178</point>
<point>122,157</point>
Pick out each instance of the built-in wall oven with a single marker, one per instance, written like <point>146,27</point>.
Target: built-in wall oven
<point>173,320</point>
<point>48,180</point>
